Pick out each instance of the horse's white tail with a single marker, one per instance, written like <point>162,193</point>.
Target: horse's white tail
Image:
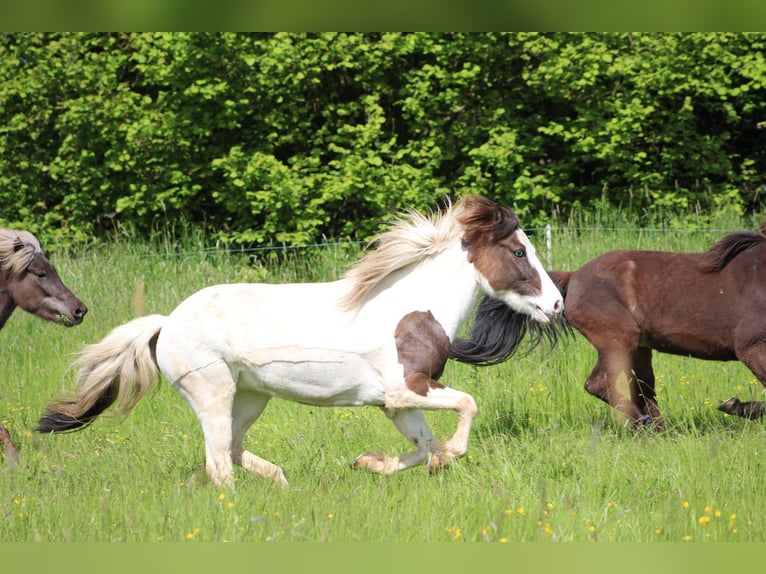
<point>121,367</point>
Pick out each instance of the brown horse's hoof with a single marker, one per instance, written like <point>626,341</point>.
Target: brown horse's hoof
<point>732,406</point>
<point>752,410</point>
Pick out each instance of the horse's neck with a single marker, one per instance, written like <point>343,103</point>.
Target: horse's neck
<point>7,305</point>
<point>445,285</point>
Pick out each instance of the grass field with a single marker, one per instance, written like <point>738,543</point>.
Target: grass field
<point>546,462</point>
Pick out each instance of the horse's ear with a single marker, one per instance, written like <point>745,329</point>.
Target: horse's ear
<point>18,245</point>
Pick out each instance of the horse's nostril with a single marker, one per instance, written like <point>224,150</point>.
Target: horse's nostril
<point>80,312</point>
<point>558,306</point>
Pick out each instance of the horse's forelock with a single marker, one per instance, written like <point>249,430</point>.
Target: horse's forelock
<point>480,216</point>
<point>17,249</point>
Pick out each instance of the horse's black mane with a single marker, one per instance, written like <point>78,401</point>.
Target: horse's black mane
<point>498,331</point>
<point>722,253</point>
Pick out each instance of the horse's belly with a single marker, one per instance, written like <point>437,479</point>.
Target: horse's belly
<point>691,345</point>
<point>320,377</point>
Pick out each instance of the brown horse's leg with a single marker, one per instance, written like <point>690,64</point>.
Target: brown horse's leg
<point>755,358</point>
<point>646,396</point>
<point>613,382</point>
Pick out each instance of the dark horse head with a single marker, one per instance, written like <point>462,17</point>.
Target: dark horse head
<point>28,280</point>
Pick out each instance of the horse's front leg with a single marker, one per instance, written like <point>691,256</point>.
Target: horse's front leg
<point>404,410</point>
<point>422,348</point>
<point>412,424</point>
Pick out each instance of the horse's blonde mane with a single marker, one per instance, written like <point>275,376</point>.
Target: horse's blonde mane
<point>17,249</point>
<point>413,238</point>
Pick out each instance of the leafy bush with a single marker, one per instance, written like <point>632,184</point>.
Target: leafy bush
<point>290,138</point>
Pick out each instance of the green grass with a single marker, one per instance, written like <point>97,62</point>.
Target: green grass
<point>547,462</point>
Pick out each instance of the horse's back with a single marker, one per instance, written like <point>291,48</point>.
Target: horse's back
<point>659,299</point>
<point>287,340</point>
<point>260,313</point>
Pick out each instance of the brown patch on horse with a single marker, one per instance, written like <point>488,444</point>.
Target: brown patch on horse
<point>491,239</point>
<point>486,221</point>
<point>423,348</point>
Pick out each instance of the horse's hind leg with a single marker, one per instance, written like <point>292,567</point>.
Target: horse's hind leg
<point>247,407</point>
<point>412,424</point>
<point>210,393</point>
<point>646,395</point>
<point>613,380</point>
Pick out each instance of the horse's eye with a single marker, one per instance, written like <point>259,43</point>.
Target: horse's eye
<point>41,274</point>
<point>520,253</point>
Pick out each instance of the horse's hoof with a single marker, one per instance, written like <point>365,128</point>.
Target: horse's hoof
<point>436,464</point>
<point>368,461</point>
<point>731,406</point>
<point>645,421</point>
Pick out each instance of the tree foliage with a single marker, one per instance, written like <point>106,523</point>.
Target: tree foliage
<point>291,138</point>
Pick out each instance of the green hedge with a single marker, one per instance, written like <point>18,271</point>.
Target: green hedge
<point>292,138</point>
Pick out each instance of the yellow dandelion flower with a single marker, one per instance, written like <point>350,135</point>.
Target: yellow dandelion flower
<point>685,504</point>
<point>230,505</point>
<point>221,496</point>
<point>521,511</point>
<point>687,538</point>
<point>703,521</point>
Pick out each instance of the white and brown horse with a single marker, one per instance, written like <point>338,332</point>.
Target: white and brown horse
<point>379,336</point>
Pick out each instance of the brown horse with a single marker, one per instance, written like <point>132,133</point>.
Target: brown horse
<point>28,280</point>
<point>709,305</point>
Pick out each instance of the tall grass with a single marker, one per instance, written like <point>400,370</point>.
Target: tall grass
<point>547,462</point>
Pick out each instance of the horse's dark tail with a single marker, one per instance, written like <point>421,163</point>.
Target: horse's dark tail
<point>120,368</point>
<point>498,331</point>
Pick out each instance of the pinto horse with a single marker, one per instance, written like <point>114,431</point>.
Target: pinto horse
<point>709,305</point>
<point>379,336</point>
<point>28,280</point>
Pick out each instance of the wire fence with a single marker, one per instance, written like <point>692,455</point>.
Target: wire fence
<point>548,231</point>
